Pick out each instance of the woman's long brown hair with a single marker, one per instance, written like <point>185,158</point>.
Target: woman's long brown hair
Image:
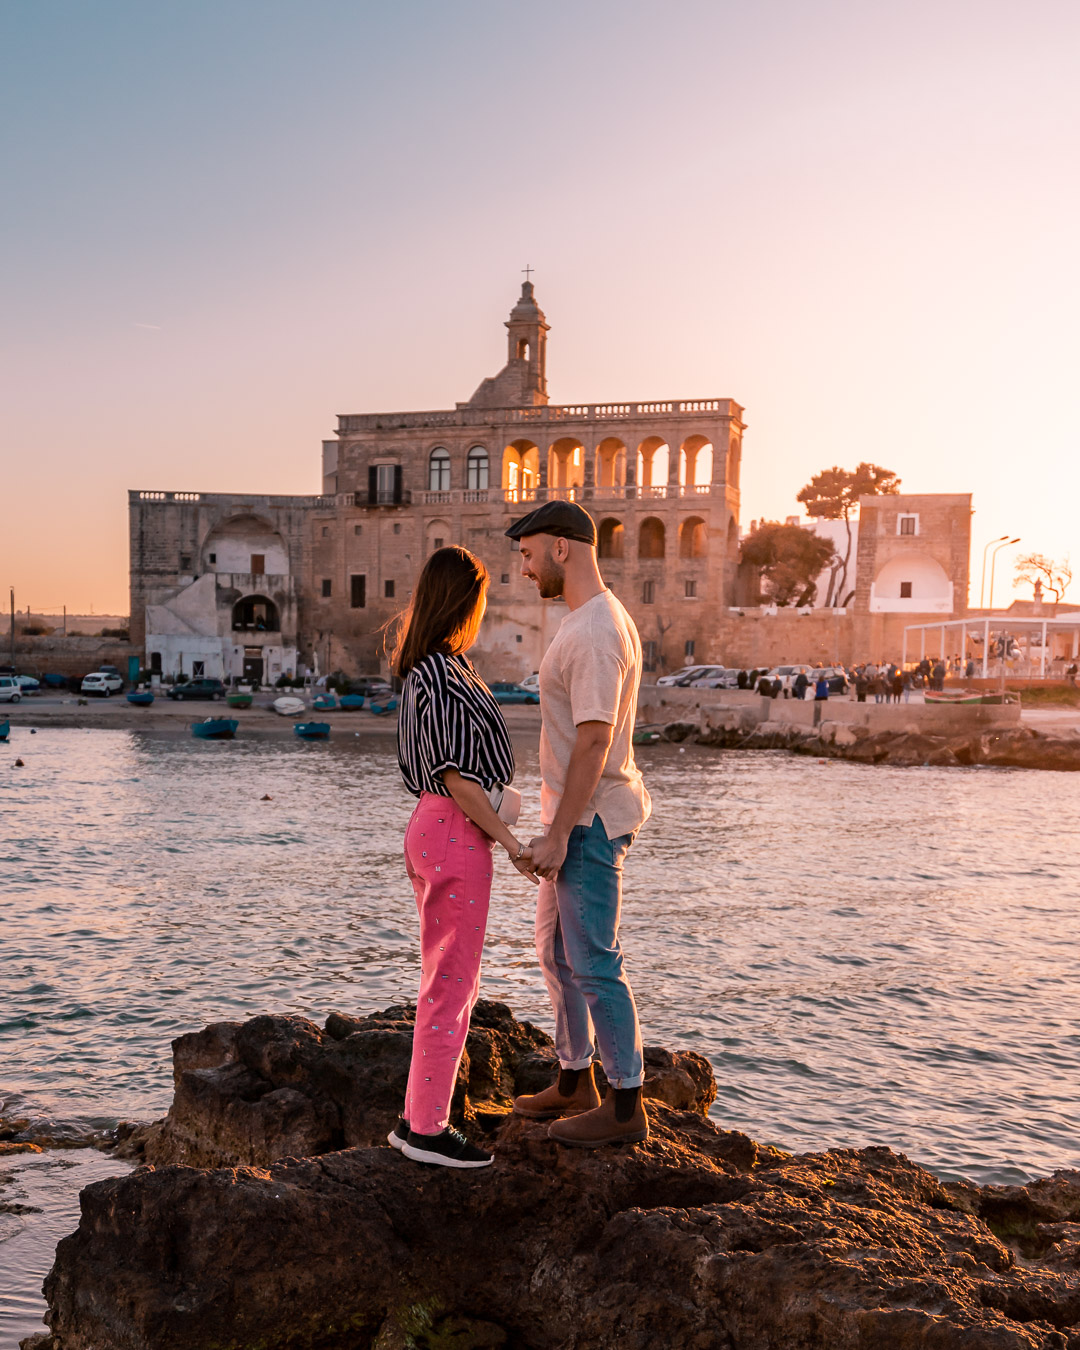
<point>445,611</point>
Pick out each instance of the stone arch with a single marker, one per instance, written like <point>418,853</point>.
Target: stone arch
<point>520,470</point>
<point>246,544</point>
<point>695,461</point>
<point>477,469</point>
<point>610,463</point>
<point>652,465</point>
<point>439,469</point>
<point>610,539</point>
<point>566,465</point>
<point>693,538</point>
<point>255,614</point>
<point>651,538</point>
<point>928,587</point>
<point>436,535</point>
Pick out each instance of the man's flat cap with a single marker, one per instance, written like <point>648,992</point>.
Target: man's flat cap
<point>565,520</point>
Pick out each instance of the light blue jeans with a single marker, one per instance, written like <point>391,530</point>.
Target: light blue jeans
<point>577,942</point>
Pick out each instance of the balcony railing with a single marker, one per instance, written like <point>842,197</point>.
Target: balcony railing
<point>514,496</point>
<point>467,416</point>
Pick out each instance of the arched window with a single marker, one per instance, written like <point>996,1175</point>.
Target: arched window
<point>439,470</point>
<point>693,539</point>
<point>476,469</point>
<point>651,538</point>
<point>255,614</point>
<point>610,541</point>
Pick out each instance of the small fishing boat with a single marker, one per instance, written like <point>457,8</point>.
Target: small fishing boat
<point>351,701</point>
<point>324,703</point>
<point>215,729</point>
<point>142,698</point>
<point>645,735</point>
<point>288,707</point>
<point>964,696</point>
<point>238,700</point>
<point>378,709</point>
<point>5,728</point>
<point>313,731</point>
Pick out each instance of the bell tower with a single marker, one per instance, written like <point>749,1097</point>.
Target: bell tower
<point>522,382</point>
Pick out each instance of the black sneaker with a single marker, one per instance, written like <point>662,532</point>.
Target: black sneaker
<point>399,1135</point>
<point>448,1149</point>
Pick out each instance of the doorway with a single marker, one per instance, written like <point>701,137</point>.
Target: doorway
<point>253,665</point>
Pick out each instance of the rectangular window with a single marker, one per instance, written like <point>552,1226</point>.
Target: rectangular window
<point>908,525</point>
<point>688,649</point>
<point>358,591</point>
<point>326,531</point>
<point>397,527</point>
<point>691,589</point>
<point>185,562</point>
<point>358,529</point>
<point>436,543</point>
<point>198,670</point>
<point>258,564</point>
<point>388,590</point>
<point>384,482</point>
<point>648,591</point>
<point>213,559</point>
<point>905,590</point>
<point>504,579</point>
<point>649,655</point>
<point>326,588</point>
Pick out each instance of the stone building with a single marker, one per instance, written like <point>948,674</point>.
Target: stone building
<point>257,585</point>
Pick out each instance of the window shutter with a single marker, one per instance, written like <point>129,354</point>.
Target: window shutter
<point>397,483</point>
<point>372,484</point>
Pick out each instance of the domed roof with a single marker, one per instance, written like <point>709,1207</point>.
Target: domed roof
<point>526,308</point>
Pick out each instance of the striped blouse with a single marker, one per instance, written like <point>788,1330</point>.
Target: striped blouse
<point>449,720</point>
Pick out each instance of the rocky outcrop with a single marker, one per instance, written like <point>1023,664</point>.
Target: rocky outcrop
<point>1011,747</point>
<point>697,1239</point>
<point>277,1087</point>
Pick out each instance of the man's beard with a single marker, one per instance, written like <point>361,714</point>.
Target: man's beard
<point>550,580</point>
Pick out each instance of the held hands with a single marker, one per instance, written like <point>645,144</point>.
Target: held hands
<point>524,864</point>
<point>547,854</point>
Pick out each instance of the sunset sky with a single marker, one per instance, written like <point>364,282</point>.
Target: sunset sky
<point>227,221</point>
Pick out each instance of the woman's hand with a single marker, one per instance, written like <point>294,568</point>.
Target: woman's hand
<point>522,860</point>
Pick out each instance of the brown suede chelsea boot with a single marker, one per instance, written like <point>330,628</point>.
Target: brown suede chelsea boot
<point>619,1119</point>
<point>574,1092</point>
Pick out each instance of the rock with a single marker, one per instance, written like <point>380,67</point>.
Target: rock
<point>249,1093</point>
<point>678,731</point>
<point>1021,748</point>
<point>697,1239</point>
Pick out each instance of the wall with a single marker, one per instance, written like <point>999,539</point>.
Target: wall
<point>71,655</point>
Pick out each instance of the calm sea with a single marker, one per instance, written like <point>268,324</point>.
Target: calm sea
<point>866,955</point>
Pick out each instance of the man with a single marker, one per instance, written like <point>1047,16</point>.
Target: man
<point>592,803</point>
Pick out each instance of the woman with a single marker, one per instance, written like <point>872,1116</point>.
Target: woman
<point>455,754</point>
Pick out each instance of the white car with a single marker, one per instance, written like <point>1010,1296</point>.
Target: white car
<point>10,689</point>
<point>719,678</point>
<point>101,682</point>
<point>683,676</point>
<point>532,682</point>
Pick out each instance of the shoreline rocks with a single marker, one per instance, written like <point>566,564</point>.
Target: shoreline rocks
<point>699,1238</point>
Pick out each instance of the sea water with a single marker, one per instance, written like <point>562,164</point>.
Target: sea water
<point>865,954</point>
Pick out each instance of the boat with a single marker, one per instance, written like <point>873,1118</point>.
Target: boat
<point>215,729</point>
<point>645,735</point>
<point>238,700</point>
<point>351,701</point>
<point>288,707</point>
<point>324,703</point>
<point>313,731</point>
<point>5,728</point>
<point>388,707</point>
<point>963,696</point>
<point>142,698</point>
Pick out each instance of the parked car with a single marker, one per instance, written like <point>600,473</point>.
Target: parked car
<point>676,677</point>
<point>201,688</point>
<point>532,682</point>
<point>837,678</point>
<point>10,689</point>
<point>370,686</point>
<point>720,677</point>
<point>29,684</point>
<point>505,692</point>
<point>101,682</point>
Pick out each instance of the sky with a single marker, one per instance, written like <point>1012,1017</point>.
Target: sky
<point>227,221</point>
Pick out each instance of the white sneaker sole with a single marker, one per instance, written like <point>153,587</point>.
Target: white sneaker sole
<point>394,1141</point>
<point>440,1159</point>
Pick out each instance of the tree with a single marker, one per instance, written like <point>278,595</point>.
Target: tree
<point>1055,577</point>
<point>790,558</point>
<point>834,494</point>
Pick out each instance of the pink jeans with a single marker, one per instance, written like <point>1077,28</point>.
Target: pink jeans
<point>448,859</point>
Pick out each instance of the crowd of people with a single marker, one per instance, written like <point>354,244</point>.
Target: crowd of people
<point>883,682</point>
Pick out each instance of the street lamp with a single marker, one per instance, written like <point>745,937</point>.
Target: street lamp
<point>982,584</point>
<point>993,563</point>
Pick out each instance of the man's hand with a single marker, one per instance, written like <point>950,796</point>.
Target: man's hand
<point>524,865</point>
<point>548,854</point>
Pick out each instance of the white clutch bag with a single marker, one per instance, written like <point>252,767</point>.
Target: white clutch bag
<point>507,803</point>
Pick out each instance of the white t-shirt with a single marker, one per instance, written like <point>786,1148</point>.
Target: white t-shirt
<point>590,673</point>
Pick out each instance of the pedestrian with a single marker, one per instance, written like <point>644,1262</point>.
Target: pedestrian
<point>861,684</point>
<point>455,756</point>
<point>592,804</point>
<point>821,687</point>
<point>801,683</point>
<point>897,684</point>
